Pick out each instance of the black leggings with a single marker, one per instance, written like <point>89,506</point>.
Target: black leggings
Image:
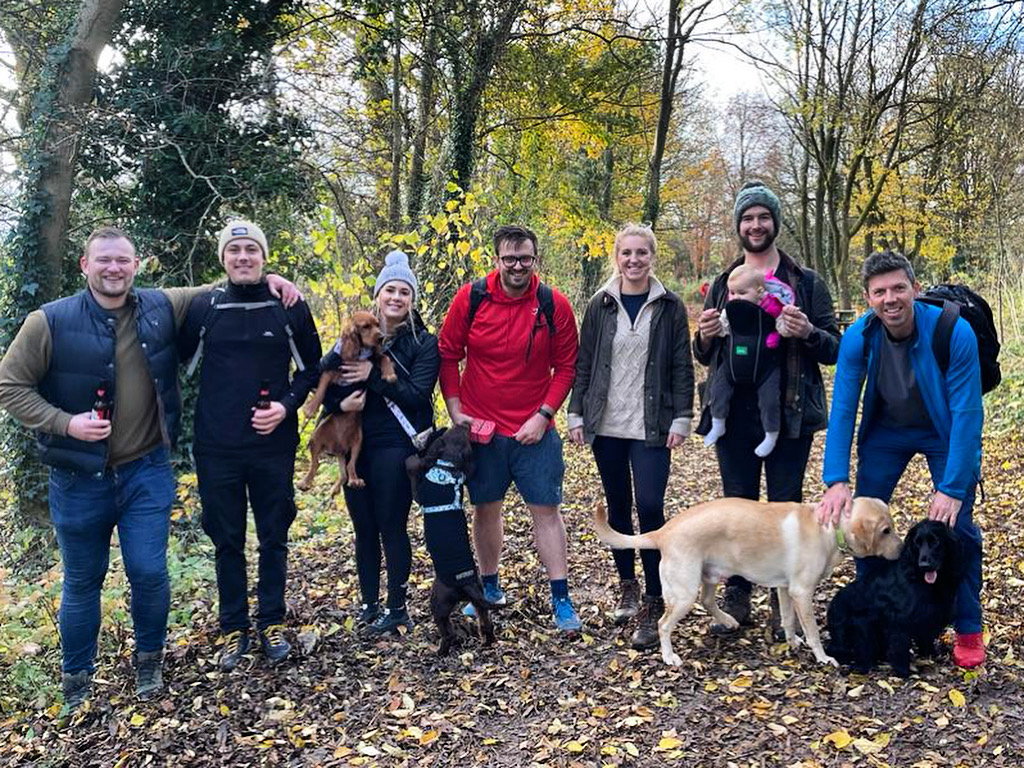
<point>784,467</point>
<point>380,514</point>
<point>650,466</point>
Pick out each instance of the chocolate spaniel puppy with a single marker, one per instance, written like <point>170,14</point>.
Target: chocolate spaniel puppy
<point>341,434</point>
<point>438,479</point>
<point>898,603</point>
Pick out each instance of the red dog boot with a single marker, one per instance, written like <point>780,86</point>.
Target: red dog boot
<point>969,650</point>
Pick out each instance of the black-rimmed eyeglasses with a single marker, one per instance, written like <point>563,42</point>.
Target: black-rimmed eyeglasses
<point>510,261</point>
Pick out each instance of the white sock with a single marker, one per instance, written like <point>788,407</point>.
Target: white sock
<point>717,430</point>
<point>767,445</point>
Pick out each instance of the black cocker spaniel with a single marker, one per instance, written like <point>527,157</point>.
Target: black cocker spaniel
<point>898,603</point>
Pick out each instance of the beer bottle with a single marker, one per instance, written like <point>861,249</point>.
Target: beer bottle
<point>263,401</point>
<point>103,405</point>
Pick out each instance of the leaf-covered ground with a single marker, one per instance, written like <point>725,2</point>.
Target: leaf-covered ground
<point>542,699</point>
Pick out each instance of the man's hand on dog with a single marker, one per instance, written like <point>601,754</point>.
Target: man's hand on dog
<point>532,431</point>
<point>837,501</point>
<point>944,509</point>
<point>265,420</point>
<point>355,371</point>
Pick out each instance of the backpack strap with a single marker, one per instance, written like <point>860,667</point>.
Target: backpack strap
<point>213,313</point>
<point>208,320</point>
<point>282,318</point>
<point>944,334</point>
<point>545,300</point>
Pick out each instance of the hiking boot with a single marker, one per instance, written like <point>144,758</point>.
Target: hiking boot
<point>236,645</point>
<point>149,676</point>
<point>646,635</point>
<point>969,650</point>
<point>629,602</point>
<point>565,616</point>
<point>493,595</point>
<point>77,688</point>
<point>390,621</point>
<point>737,604</point>
<point>368,613</point>
<point>274,646</point>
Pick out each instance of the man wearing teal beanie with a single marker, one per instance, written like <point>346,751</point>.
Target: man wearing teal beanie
<point>811,340</point>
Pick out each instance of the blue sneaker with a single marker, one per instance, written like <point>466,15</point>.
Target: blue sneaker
<point>492,595</point>
<point>566,619</point>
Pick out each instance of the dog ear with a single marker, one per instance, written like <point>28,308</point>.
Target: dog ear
<point>350,342</point>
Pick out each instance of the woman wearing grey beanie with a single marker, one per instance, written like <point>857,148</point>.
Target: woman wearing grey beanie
<point>380,510</point>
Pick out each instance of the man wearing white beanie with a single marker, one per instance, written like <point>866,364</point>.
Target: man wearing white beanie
<point>246,431</point>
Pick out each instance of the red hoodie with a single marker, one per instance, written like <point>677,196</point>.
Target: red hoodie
<point>507,377</point>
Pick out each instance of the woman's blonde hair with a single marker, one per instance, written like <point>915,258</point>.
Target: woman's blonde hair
<point>633,230</point>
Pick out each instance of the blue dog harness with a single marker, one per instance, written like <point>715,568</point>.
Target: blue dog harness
<point>439,495</point>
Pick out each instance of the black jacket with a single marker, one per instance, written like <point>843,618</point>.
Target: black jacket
<point>417,362</point>
<point>243,346</point>
<point>804,408</point>
<point>668,380</point>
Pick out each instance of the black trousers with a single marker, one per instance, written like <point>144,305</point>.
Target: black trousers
<point>228,484</point>
<point>615,457</point>
<point>380,515</point>
<point>784,468</point>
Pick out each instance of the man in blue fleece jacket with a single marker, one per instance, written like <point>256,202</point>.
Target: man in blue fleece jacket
<point>910,406</point>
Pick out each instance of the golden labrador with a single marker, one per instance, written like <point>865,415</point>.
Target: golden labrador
<point>775,544</point>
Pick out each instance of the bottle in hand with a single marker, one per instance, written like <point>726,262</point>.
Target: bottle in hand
<point>263,401</point>
<point>104,404</point>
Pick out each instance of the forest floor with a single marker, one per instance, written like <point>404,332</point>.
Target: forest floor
<point>539,698</point>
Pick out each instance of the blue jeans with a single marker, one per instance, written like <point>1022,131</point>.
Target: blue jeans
<point>136,497</point>
<point>881,461</point>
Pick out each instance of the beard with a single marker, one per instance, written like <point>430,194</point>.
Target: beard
<point>764,246</point>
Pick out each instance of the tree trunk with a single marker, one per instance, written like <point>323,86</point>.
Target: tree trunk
<point>395,187</point>
<point>58,149</point>
<point>417,178</point>
<point>470,78</point>
<point>675,47</point>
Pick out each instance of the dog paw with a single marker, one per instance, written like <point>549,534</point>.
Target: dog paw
<point>672,659</point>
<point>356,482</point>
<point>824,658</point>
<point>795,641</point>
<point>304,485</point>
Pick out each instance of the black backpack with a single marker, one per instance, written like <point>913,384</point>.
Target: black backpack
<point>960,301</point>
<point>545,298</point>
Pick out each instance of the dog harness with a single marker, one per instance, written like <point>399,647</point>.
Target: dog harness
<point>439,495</point>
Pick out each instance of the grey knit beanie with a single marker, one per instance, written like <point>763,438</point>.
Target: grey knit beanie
<point>756,193</point>
<point>396,267</point>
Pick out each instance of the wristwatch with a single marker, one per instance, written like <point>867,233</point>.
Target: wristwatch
<point>547,414</point>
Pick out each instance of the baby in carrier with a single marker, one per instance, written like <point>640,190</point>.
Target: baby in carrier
<point>752,353</point>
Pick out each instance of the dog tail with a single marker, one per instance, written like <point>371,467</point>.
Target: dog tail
<point>615,539</point>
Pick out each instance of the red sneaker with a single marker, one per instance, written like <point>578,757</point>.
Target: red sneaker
<point>969,650</point>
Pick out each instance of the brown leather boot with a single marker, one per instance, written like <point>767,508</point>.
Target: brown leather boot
<point>629,602</point>
<point>646,635</point>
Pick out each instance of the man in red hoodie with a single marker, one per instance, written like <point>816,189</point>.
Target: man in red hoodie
<point>520,358</point>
